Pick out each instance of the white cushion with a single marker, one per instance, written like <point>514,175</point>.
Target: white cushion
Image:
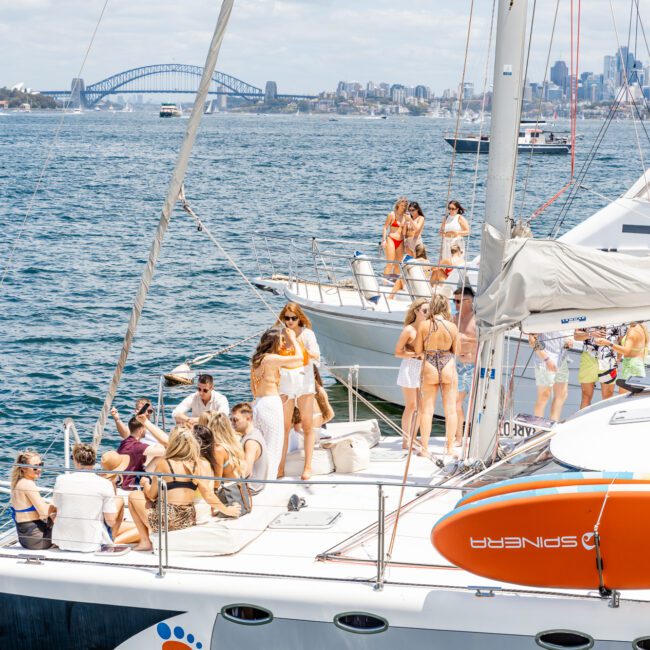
<point>321,462</point>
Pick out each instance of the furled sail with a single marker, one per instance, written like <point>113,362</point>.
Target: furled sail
<point>577,284</point>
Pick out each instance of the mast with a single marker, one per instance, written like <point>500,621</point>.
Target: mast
<point>173,191</point>
<point>502,167</point>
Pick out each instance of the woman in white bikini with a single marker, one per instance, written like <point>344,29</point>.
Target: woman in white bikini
<point>408,378</point>
<point>437,342</point>
<point>454,228</point>
<point>413,227</point>
<point>268,415</point>
<point>297,382</point>
<point>392,235</point>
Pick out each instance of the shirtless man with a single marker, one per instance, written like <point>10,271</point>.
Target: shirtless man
<point>465,360</point>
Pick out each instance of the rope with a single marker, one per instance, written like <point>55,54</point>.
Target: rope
<point>203,228</point>
<point>458,112</point>
<point>173,192</point>
<point>204,358</point>
<point>573,110</point>
<point>50,150</point>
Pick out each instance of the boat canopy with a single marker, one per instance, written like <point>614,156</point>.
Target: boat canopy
<point>575,283</point>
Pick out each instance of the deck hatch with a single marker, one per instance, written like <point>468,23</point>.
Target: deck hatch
<point>316,519</point>
<point>246,614</point>
<point>564,640</point>
<point>630,416</point>
<point>361,623</point>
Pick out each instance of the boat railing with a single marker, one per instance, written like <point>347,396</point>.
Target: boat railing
<point>350,273</point>
<point>378,530</point>
<point>8,540</point>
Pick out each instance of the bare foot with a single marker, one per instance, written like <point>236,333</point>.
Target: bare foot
<point>424,452</point>
<point>306,475</point>
<point>143,547</point>
<point>280,474</point>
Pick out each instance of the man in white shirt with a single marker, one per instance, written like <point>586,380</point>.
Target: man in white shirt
<point>81,503</point>
<point>252,440</point>
<point>205,399</point>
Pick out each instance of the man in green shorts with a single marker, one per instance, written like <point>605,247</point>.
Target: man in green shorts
<point>551,371</point>
<point>597,362</point>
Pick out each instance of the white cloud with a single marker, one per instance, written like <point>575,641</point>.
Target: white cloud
<point>305,45</point>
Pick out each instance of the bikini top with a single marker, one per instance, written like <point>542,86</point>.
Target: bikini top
<point>433,327</point>
<point>14,511</point>
<point>175,484</point>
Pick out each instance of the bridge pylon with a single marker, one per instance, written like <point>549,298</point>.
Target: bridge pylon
<point>77,96</point>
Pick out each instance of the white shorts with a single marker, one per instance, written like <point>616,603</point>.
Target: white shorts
<point>409,373</point>
<point>295,382</point>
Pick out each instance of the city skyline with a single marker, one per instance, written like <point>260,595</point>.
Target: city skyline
<point>305,46</point>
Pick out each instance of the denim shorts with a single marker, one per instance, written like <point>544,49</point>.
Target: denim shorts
<point>465,373</point>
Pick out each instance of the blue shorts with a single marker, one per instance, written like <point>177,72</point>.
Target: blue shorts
<point>465,374</point>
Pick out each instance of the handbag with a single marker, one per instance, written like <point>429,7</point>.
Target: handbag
<point>235,492</point>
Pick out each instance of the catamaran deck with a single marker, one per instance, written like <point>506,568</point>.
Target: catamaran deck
<point>346,551</point>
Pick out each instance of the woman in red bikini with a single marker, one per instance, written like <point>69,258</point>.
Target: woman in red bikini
<point>392,236</point>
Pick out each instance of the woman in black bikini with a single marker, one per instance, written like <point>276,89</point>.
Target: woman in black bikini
<point>183,456</point>
<point>436,342</point>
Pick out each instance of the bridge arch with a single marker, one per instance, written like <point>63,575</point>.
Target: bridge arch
<point>111,85</point>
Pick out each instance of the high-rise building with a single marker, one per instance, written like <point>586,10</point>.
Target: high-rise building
<point>560,75</point>
<point>422,93</point>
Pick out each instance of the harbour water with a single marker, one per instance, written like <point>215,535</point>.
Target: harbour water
<point>66,298</point>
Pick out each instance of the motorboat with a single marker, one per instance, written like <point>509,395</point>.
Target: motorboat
<point>169,109</point>
<point>531,140</point>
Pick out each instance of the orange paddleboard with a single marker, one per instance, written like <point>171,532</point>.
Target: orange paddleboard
<point>541,481</point>
<point>545,538</point>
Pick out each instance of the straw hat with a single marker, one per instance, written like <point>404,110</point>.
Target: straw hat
<point>114,462</point>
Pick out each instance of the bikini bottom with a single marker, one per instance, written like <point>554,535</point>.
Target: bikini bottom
<point>438,359</point>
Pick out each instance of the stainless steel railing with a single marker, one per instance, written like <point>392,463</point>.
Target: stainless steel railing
<point>313,263</point>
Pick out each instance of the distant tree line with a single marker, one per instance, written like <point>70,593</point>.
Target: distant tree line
<point>17,97</point>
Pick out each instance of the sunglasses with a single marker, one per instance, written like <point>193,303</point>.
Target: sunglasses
<point>201,390</point>
<point>457,301</point>
<point>37,466</point>
<point>291,318</point>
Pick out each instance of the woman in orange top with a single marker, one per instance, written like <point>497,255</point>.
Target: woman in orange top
<point>297,384</point>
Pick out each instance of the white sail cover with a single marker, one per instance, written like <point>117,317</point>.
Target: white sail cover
<point>540,276</point>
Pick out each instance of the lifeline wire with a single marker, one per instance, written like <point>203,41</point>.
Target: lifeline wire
<point>50,151</point>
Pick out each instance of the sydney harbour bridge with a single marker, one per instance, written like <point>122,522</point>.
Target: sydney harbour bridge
<point>164,78</point>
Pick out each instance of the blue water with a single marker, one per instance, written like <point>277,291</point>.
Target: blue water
<point>66,300</point>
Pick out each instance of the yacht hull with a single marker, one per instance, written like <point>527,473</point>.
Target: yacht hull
<point>76,614</point>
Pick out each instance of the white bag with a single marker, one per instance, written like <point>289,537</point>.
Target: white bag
<point>351,455</point>
<point>321,462</point>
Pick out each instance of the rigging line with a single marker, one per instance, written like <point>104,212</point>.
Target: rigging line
<point>591,155</point>
<point>486,75</point>
<point>173,192</point>
<point>202,227</point>
<point>573,113</point>
<point>625,76</point>
<point>458,112</point>
<point>204,358</point>
<point>51,148</point>
<point>541,97</point>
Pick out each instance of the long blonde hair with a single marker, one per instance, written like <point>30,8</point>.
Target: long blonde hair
<point>439,306</point>
<point>23,458</point>
<point>413,307</point>
<point>183,447</point>
<point>225,436</point>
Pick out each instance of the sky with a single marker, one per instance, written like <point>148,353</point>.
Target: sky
<point>306,46</point>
